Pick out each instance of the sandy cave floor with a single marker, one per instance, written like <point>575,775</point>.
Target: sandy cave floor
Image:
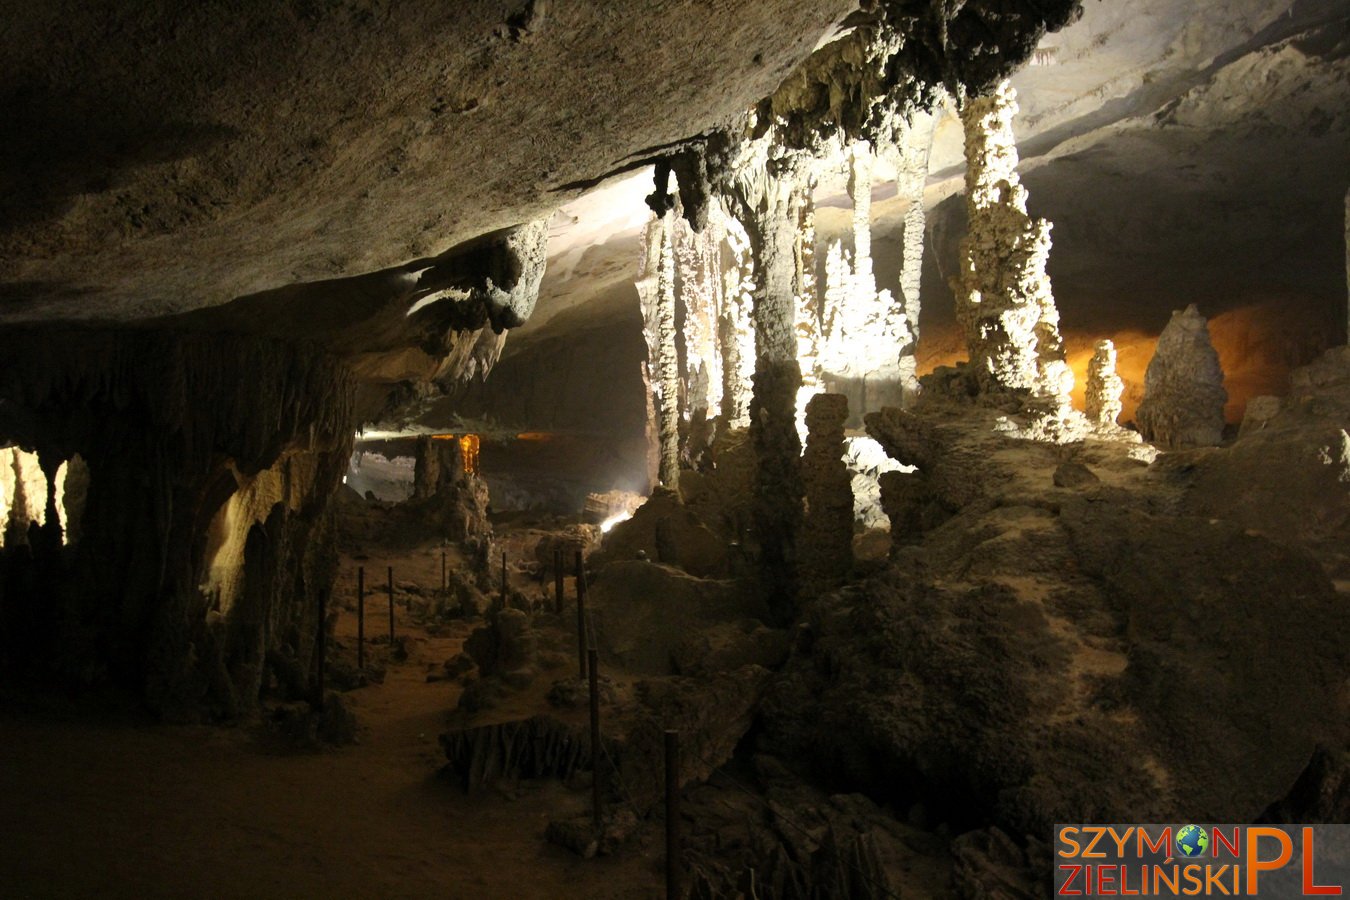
<point>112,805</point>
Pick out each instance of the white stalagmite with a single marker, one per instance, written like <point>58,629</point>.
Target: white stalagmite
<point>735,331</point>
<point>911,155</point>
<point>808,303</point>
<point>869,340</point>
<point>698,260</point>
<point>656,295</point>
<point>1104,389</point>
<point>1004,301</point>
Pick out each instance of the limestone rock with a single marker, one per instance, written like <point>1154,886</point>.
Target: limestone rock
<point>655,620</point>
<point>825,545</point>
<point>1076,663</point>
<point>666,531</point>
<point>1004,300</point>
<point>1289,479</point>
<point>1104,388</point>
<point>1183,387</point>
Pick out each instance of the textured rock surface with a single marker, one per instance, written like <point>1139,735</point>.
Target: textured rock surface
<point>1004,303</point>
<point>205,540</point>
<point>826,542</point>
<point>1104,388</point>
<point>1291,478</point>
<point>1043,657</point>
<point>654,620</point>
<point>1183,388</point>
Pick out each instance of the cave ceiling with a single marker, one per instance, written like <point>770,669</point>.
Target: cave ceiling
<point>292,168</point>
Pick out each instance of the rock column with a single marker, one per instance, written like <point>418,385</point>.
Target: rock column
<point>826,540</point>
<point>1104,389</point>
<point>735,332</point>
<point>1004,301</point>
<point>766,205</point>
<point>656,295</point>
<point>808,304</point>
<point>868,348</point>
<point>667,360</point>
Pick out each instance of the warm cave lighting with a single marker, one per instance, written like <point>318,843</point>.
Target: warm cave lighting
<point>469,445</point>
<point>468,451</point>
<point>613,520</point>
<point>23,495</point>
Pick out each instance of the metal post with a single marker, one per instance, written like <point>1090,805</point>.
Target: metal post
<point>672,815</point>
<point>321,649</point>
<point>361,617</point>
<point>596,811</point>
<point>558,580</point>
<point>581,616</point>
<point>391,608</point>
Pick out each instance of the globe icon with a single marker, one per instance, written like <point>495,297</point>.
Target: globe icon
<point>1192,840</point>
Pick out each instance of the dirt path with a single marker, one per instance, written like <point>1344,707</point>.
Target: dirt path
<point>116,807</point>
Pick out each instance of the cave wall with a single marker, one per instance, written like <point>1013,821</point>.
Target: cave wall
<point>206,537</point>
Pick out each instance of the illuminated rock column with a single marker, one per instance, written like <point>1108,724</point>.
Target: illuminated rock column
<point>667,359</point>
<point>1104,389</point>
<point>868,340</point>
<point>807,303</point>
<point>1004,302</point>
<point>735,332</point>
<point>911,155</point>
<point>656,295</point>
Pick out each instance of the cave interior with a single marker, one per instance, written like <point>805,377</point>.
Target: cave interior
<point>800,449</point>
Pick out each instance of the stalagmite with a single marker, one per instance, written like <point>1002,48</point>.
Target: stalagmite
<point>1104,389</point>
<point>1183,387</point>
<point>826,540</point>
<point>1004,301</point>
<point>656,294</point>
<point>912,153</point>
<point>699,279</point>
<point>667,361</point>
<point>868,347</point>
<point>807,302</point>
<point>763,194</point>
<point>735,332</point>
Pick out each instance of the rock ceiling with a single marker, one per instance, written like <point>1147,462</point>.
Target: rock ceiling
<point>306,157</point>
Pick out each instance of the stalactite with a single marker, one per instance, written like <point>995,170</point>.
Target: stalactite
<point>667,359</point>
<point>1004,301</point>
<point>647,284</point>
